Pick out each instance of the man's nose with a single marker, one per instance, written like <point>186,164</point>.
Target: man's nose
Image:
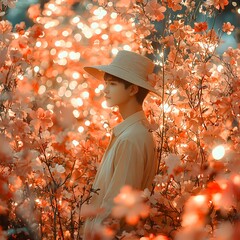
<point>105,90</point>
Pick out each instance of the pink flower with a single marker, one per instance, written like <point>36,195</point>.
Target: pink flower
<point>177,27</point>
<point>34,11</point>
<point>220,4</point>
<point>5,31</point>
<point>172,161</point>
<point>130,204</point>
<point>9,3</point>
<point>174,4</point>
<point>228,28</point>
<point>201,26</point>
<point>5,27</point>
<point>41,119</point>
<point>155,10</point>
<point>19,127</point>
<point>204,69</point>
<point>20,28</point>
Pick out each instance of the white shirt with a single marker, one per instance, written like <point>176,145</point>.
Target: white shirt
<point>128,160</point>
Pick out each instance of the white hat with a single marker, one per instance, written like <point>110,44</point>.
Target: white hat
<point>129,66</point>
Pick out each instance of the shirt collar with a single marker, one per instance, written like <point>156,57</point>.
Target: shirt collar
<point>121,127</point>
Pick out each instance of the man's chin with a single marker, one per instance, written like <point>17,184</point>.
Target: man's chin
<point>110,105</point>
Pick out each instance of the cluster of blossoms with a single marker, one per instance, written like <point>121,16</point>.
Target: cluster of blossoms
<point>4,4</point>
<point>54,126</point>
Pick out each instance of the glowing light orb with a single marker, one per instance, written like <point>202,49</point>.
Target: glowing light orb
<point>68,93</point>
<point>94,25</point>
<point>100,87</point>
<point>41,90</point>
<point>114,51</point>
<point>63,54</point>
<point>236,179</point>
<point>79,102</point>
<point>36,69</point>
<point>73,85</point>
<point>38,44</point>
<point>65,33</point>
<point>20,77</point>
<point>166,108</point>
<point>75,142</point>
<point>216,197</point>
<point>76,19</point>
<point>218,152</point>
<point>53,51</point>
<point>118,28</point>
<point>38,201</point>
<point>75,75</point>
<point>97,91</point>
<point>74,55</point>
<point>76,113</point>
<point>87,123</point>
<point>85,95</point>
<point>81,129</point>
<point>59,79</point>
<point>100,13</point>
<point>98,31</point>
<point>219,68</point>
<point>104,36</point>
<point>199,199</point>
<point>127,47</point>
<point>104,104</point>
<point>114,15</point>
<point>88,34</point>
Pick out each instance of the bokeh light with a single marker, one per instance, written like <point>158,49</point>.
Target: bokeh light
<point>218,152</point>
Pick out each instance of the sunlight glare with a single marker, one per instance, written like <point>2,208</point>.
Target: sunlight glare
<point>218,152</point>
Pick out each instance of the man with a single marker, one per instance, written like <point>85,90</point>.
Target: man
<point>129,158</point>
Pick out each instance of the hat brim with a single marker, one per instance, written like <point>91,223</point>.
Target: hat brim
<point>99,71</point>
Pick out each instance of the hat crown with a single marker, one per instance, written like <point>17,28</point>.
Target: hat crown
<point>134,63</point>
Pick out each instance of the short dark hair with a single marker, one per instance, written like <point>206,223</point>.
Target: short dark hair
<point>140,95</point>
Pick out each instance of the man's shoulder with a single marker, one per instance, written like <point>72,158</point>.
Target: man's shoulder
<point>139,129</point>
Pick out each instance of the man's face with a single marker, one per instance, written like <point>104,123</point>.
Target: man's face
<point>115,92</point>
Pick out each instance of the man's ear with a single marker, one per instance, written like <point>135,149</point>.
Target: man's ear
<point>133,90</point>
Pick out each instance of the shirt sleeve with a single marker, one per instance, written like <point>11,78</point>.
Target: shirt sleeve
<point>128,170</point>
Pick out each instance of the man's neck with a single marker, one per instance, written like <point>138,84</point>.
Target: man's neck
<point>129,110</point>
